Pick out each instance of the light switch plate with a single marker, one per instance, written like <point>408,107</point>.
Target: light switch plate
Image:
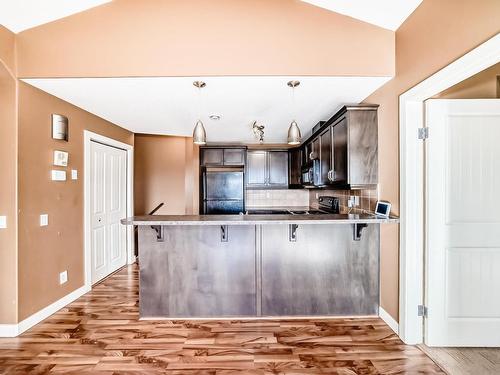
<point>63,277</point>
<point>74,174</point>
<point>3,222</point>
<point>58,175</point>
<point>44,220</point>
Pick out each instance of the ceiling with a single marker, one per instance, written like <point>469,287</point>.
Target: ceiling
<point>19,15</point>
<point>389,14</point>
<point>170,105</point>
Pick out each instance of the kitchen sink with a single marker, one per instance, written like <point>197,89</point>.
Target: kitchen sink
<point>268,212</point>
<point>285,212</point>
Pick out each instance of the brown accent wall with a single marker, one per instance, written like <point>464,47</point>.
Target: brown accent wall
<point>436,34</point>
<point>8,172</point>
<point>44,252</point>
<point>484,85</point>
<point>165,170</point>
<point>203,38</point>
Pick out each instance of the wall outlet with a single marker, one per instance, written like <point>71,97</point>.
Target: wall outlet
<point>3,222</point>
<point>356,201</point>
<point>63,277</point>
<point>74,174</point>
<point>44,220</point>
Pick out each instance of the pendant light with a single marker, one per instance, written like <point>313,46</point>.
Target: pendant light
<point>294,135</point>
<point>199,133</point>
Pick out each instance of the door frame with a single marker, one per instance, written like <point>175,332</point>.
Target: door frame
<point>411,151</point>
<point>88,137</point>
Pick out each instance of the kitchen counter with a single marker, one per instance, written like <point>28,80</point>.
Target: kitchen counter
<point>258,219</point>
<point>243,266</point>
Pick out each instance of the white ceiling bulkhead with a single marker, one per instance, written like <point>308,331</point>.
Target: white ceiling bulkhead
<point>169,105</point>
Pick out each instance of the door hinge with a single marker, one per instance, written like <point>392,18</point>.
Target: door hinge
<point>423,133</point>
<point>422,311</point>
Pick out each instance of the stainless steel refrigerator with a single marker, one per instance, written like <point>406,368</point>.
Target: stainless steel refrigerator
<point>223,190</point>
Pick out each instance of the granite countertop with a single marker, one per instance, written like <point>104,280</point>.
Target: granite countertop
<point>257,219</point>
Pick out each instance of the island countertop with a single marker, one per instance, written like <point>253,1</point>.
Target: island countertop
<point>364,218</point>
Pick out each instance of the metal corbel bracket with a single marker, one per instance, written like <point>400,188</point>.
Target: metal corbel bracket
<point>356,231</point>
<point>223,233</point>
<point>292,232</point>
<point>159,232</point>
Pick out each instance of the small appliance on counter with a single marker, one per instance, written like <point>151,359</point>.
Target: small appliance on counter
<point>222,190</point>
<point>383,209</point>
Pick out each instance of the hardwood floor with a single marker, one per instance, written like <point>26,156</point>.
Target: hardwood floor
<point>466,361</point>
<point>100,334</point>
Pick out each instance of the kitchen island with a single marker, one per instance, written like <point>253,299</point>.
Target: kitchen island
<point>209,266</point>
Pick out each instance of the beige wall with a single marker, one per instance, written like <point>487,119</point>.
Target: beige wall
<point>201,38</point>
<point>8,49</point>
<point>8,170</point>
<point>436,34</point>
<point>484,85</point>
<point>164,172</point>
<point>44,252</point>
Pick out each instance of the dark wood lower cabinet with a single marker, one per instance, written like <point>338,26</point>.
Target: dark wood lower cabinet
<point>324,272</point>
<point>256,270</point>
<point>194,273</point>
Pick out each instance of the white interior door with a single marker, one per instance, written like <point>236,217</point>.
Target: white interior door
<point>108,202</point>
<point>463,223</point>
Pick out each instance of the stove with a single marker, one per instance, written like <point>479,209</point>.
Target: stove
<point>329,204</point>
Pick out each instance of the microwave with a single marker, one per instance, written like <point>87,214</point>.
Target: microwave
<point>310,174</point>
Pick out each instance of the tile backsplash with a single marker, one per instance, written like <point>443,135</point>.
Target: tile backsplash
<point>308,197</point>
<point>277,198</point>
<point>367,198</point>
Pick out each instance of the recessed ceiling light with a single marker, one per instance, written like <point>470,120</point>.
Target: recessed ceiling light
<point>214,117</point>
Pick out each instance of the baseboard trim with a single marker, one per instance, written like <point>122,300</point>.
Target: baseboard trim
<point>389,320</point>
<point>8,330</point>
<point>13,330</point>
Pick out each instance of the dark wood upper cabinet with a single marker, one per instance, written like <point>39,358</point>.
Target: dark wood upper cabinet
<point>315,149</point>
<point>278,168</point>
<point>295,162</point>
<point>339,153</point>
<point>325,156</point>
<point>234,156</point>
<point>256,168</point>
<point>213,156</point>
<point>353,144</point>
<point>363,147</point>
<point>347,148</point>
<point>267,169</point>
